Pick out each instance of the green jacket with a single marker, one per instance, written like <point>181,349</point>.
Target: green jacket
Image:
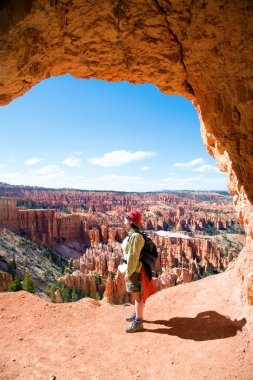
<point>132,246</point>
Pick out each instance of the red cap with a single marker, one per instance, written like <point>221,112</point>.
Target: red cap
<point>135,216</point>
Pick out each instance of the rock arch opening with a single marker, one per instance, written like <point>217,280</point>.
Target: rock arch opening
<point>199,50</point>
<point>86,134</point>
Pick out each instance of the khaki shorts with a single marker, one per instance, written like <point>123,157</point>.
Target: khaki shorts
<point>134,283</point>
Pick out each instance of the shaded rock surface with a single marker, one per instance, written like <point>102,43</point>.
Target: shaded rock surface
<point>5,280</point>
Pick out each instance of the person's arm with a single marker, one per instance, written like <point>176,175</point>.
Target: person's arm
<point>136,243</point>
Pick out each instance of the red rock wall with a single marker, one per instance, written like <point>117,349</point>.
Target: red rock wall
<point>48,225</point>
<point>8,213</point>
<point>39,224</point>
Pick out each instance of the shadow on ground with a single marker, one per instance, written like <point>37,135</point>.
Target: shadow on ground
<point>208,325</point>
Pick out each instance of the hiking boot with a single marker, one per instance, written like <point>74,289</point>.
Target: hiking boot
<point>131,317</point>
<point>134,326</point>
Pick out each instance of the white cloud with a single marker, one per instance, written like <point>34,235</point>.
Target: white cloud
<point>106,183</point>
<point>14,178</point>
<point>146,168</point>
<point>183,180</point>
<point>194,183</point>
<point>118,178</point>
<point>120,157</point>
<point>189,164</point>
<point>52,176</point>
<point>32,161</point>
<point>120,182</point>
<point>2,166</point>
<point>78,153</point>
<point>50,169</point>
<point>215,180</point>
<point>72,162</point>
<point>206,169</point>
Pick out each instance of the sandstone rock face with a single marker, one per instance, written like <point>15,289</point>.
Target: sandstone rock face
<point>180,260</point>
<point>243,266</point>
<point>9,212</point>
<point>115,290</point>
<point>49,225</point>
<point>200,50</point>
<point>5,280</point>
<point>174,252</point>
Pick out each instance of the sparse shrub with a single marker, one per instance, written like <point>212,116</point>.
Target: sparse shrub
<point>65,293</point>
<point>98,278</point>
<point>53,289</point>
<point>74,295</point>
<point>81,293</point>
<point>28,284</point>
<point>96,297</point>
<point>15,286</point>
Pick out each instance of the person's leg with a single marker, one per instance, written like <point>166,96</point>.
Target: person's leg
<point>136,318</point>
<point>137,322</point>
<point>139,305</point>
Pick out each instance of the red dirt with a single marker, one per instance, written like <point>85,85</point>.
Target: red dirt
<point>196,331</point>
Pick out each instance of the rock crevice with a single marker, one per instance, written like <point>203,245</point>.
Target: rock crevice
<point>163,11</point>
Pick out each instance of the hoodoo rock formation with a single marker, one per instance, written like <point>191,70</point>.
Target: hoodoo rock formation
<point>93,237</point>
<point>200,50</point>
<point>180,260</point>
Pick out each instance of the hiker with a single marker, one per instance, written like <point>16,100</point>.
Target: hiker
<point>132,246</point>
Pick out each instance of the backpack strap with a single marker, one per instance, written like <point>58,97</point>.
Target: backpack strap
<point>134,232</point>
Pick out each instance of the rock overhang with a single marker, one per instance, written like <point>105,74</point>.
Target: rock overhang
<point>200,50</point>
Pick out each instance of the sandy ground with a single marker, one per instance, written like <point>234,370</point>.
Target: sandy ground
<point>200,330</point>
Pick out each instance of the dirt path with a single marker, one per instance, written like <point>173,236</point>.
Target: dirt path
<point>196,331</point>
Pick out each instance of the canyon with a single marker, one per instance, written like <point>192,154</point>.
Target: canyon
<point>196,234</point>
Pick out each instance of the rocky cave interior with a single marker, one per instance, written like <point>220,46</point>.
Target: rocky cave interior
<point>201,50</point>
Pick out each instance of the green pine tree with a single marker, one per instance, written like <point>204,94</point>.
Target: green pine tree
<point>65,293</point>
<point>15,286</point>
<point>96,296</point>
<point>28,284</point>
<point>74,295</point>
<point>53,289</point>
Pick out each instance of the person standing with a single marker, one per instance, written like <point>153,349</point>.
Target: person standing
<point>132,246</point>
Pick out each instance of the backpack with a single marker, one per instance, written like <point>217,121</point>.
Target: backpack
<point>148,255</point>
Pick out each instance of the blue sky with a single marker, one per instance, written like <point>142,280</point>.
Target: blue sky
<point>91,134</point>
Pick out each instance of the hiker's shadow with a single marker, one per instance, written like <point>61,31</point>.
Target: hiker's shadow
<point>208,325</point>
